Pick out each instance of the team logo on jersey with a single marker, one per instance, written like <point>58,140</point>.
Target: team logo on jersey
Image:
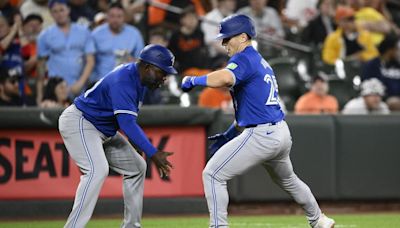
<point>232,66</point>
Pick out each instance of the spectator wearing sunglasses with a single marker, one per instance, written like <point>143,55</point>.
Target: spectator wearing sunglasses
<point>9,89</point>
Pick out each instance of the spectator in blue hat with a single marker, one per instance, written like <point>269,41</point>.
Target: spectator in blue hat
<point>66,49</point>
<point>386,68</point>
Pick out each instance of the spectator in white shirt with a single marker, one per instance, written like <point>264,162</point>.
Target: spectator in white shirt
<point>210,26</point>
<point>369,101</point>
<point>268,25</point>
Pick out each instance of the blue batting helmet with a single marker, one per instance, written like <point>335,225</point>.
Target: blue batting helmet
<point>236,24</point>
<point>159,56</point>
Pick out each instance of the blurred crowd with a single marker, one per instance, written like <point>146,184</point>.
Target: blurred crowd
<point>329,56</point>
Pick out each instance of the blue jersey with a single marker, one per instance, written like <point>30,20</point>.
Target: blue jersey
<point>65,51</point>
<point>255,90</point>
<point>113,49</point>
<point>119,92</point>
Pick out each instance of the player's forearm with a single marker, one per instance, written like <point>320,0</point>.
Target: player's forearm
<point>220,78</point>
<point>216,79</point>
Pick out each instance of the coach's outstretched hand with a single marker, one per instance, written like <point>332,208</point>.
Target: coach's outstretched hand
<point>163,165</point>
<point>187,83</point>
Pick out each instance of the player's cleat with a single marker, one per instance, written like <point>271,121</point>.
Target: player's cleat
<point>324,222</point>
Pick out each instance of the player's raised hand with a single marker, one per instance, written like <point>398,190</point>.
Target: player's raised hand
<point>163,165</point>
<point>187,83</point>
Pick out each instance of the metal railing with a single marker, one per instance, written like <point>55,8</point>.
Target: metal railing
<point>264,37</point>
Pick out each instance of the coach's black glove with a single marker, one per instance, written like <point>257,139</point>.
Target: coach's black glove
<point>221,139</point>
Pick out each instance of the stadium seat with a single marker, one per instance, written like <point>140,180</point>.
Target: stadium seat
<point>343,90</point>
<point>290,85</point>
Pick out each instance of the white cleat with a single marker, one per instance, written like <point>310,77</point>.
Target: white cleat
<point>324,222</point>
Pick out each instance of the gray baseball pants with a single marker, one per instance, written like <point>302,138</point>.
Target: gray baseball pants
<point>95,154</point>
<point>265,144</point>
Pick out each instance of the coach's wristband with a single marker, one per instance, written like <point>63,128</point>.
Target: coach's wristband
<point>200,80</point>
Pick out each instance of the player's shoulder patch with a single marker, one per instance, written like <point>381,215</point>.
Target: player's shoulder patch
<point>232,66</point>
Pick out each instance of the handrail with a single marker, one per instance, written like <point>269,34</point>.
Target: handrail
<point>264,37</point>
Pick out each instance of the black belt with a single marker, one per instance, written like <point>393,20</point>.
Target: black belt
<point>255,125</point>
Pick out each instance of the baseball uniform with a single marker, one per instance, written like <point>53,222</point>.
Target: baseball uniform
<point>266,139</point>
<point>89,129</point>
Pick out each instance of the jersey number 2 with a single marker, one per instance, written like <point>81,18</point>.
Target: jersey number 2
<point>273,90</point>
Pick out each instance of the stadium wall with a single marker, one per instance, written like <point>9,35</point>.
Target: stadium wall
<point>339,157</point>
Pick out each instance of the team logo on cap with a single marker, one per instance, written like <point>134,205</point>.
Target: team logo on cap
<point>173,59</point>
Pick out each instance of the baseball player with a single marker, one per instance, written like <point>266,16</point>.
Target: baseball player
<point>89,130</point>
<point>265,138</point>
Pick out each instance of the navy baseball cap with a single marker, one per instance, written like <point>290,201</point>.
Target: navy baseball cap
<point>235,25</point>
<point>52,2</point>
<point>159,56</point>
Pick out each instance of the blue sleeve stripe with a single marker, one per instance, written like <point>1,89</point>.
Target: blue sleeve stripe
<point>125,112</point>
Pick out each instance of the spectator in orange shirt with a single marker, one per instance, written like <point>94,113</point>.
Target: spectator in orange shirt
<point>215,98</point>
<point>317,100</point>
